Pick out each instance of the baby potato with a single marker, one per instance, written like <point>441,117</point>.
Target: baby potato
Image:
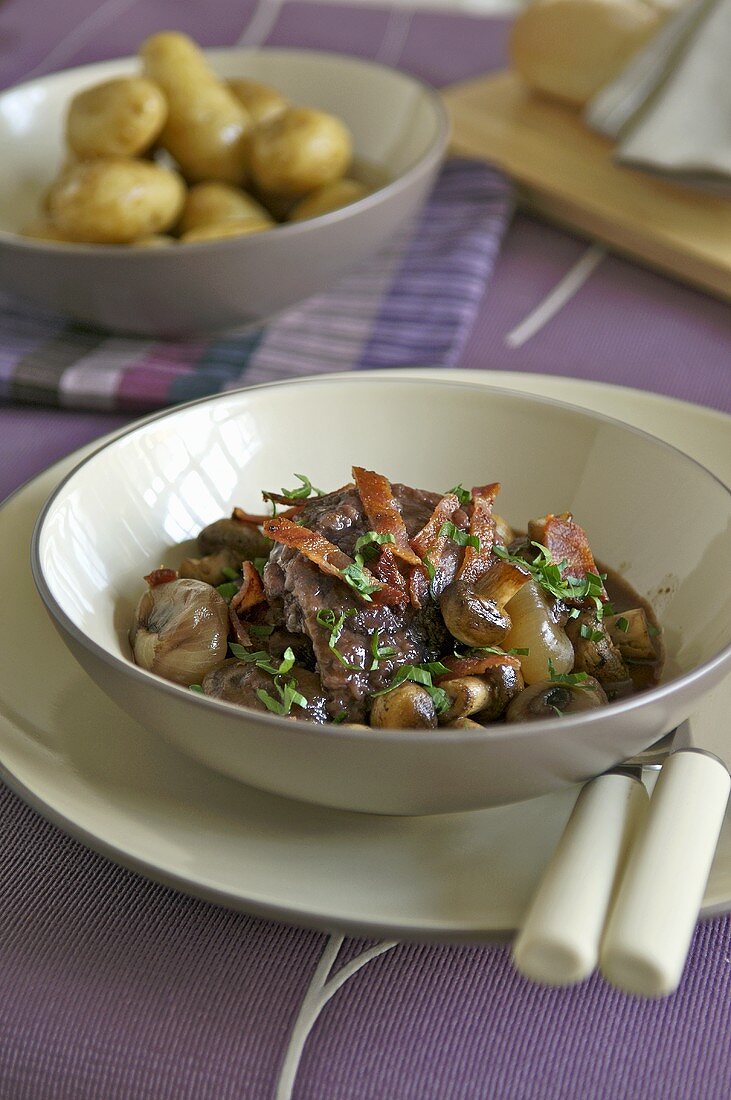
<point>262,102</point>
<point>232,227</point>
<point>119,118</point>
<point>329,197</point>
<point>155,240</point>
<point>211,203</point>
<point>43,230</point>
<point>299,150</point>
<point>116,201</point>
<point>206,128</point>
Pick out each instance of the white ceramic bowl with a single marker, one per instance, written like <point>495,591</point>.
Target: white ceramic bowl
<point>649,510</point>
<point>398,125</point>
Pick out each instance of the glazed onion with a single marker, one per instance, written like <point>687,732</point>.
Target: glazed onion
<point>534,629</point>
<point>180,630</point>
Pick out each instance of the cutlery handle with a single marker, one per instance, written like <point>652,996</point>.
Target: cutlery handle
<point>650,928</point>
<point>559,941</point>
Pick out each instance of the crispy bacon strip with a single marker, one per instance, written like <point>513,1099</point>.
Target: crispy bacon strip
<point>249,596</point>
<point>475,666</point>
<point>566,541</point>
<point>386,569</point>
<point>476,562</point>
<point>242,516</point>
<point>251,592</point>
<point>328,557</point>
<point>428,543</point>
<point>161,576</point>
<point>383,512</point>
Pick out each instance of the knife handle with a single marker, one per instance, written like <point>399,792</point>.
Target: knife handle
<point>650,928</point>
<point>559,941</point>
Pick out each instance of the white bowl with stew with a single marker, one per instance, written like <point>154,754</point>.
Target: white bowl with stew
<point>650,511</point>
<point>400,131</point>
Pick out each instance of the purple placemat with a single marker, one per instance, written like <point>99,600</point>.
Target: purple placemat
<point>114,987</point>
<point>415,302</point>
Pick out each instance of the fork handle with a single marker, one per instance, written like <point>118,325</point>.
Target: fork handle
<point>559,941</point>
<point>650,928</point>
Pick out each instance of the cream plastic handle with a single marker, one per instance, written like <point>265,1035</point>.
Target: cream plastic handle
<point>559,941</point>
<point>651,925</point>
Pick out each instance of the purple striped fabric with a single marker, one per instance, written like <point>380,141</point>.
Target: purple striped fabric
<point>413,303</point>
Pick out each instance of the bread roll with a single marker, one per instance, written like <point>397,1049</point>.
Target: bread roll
<point>569,49</point>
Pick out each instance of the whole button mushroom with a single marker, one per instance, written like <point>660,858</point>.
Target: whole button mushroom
<point>115,201</point>
<point>406,707</point>
<point>299,150</point>
<point>180,630</point>
<point>119,118</point>
<point>553,699</point>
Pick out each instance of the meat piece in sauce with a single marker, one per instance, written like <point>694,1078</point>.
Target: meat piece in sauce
<point>299,589</point>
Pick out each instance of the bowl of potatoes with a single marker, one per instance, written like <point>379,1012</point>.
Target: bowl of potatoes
<point>182,192</point>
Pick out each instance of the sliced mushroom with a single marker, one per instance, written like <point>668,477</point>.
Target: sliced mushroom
<point>463,724</point>
<point>632,637</point>
<point>408,706</point>
<point>504,533</point>
<point>594,650</point>
<point>555,700</point>
<point>475,614</point>
<point>243,539</point>
<point>467,695</point>
<point>180,630</point>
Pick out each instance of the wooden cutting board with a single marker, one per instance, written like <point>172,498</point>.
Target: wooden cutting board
<point>565,172</point>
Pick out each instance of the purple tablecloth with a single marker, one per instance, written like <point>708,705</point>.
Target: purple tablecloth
<point>113,987</point>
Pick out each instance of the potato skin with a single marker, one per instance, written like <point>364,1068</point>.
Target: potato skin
<point>119,118</point>
<point>206,128</point>
<point>299,150</point>
<point>262,102</point>
<point>115,201</point>
<point>232,227</point>
<point>332,196</point>
<point>211,203</point>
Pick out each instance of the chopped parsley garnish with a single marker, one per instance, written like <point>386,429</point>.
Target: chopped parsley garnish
<point>263,660</point>
<point>197,688</point>
<point>460,537</point>
<point>463,495</point>
<point>228,590</point>
<point>259,564</point>
<point>558,710</point>
<point>549,575</point>
<point>365,547</point>
<point>429,566</point>
<point>260,631</point>
<point>574,679</point>
<point>340,717</point>
<point>623,624</point>
<point>421,674</point>
<point>289,696</point>
<point>230,574</point>
<point>303,491</point>
<point>592,635</point>
<point>355,576</point>
<point>653,630</point>
<point>335,623</point>
<point>379,652</point>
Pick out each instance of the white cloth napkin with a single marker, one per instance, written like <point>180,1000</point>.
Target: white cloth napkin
<point>670,109</point>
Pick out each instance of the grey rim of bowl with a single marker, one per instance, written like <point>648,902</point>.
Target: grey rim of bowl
<point>432,155</point>
<point>495,732</point>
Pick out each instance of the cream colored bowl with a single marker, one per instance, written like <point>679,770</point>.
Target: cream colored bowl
<point>649,510</point>
<point>399,128</point>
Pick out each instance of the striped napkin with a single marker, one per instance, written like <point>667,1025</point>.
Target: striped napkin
<point>412,305</point>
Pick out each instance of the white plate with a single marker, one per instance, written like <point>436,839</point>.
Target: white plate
<point>80,761</point>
